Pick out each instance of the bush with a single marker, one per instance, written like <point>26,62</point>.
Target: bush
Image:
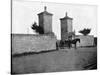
<point>85,31</point>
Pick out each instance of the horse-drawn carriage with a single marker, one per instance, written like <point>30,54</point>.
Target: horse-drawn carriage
<point>67,43</point>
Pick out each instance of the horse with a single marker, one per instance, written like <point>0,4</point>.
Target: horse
<point>61,43</point>
<point>74,41</point>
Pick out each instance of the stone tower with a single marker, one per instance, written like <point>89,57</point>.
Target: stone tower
<point>66,27</point>
<point>45,21</point>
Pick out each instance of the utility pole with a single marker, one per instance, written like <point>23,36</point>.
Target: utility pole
<point>74,33</point>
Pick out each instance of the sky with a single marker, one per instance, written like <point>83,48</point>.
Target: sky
<point>24,14</point>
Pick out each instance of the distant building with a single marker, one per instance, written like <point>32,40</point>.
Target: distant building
<point>85,40</point>
<point>66,27</point>
<point>45,21</point>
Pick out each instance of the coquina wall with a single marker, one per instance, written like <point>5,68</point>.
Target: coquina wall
<point>32,43</point>
<point>85,40</point>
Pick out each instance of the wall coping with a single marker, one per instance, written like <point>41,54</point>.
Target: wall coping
<point>35,35</point>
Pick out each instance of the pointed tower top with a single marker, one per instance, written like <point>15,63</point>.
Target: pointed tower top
<point>66,14</point>
<point>66,17</point>
<point>45,8</point>
<point>45,11</point>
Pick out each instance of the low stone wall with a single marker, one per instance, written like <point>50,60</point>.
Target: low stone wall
<point>85,40</point>
<point>32,43</point>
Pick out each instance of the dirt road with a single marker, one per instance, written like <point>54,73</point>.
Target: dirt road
<point>54,61</point>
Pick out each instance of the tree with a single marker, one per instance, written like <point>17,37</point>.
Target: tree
<point>85,31</point>
<point>37,28</point>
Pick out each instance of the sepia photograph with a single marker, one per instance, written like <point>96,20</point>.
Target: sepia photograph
<point>52,37</point>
